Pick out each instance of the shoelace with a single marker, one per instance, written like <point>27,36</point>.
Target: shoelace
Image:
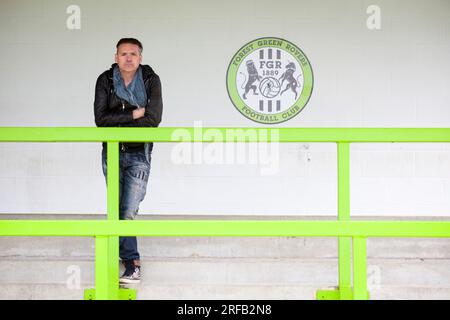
<point>130,270</point>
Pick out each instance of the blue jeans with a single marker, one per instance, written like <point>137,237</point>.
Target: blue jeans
<point>134,171</point>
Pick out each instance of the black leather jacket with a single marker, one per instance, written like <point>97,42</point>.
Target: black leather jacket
<point>112,111</point>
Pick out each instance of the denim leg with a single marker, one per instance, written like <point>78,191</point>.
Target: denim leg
<point>105,171</point>
<point>134,173</point>
<point>136,170</point>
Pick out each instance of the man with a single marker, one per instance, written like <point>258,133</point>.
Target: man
<point>129,95</point>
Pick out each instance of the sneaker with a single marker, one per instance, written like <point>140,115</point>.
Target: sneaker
<point>132,273</point>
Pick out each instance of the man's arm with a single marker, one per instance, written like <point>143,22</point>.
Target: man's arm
<point>153,111</point>
<point>103,116</point>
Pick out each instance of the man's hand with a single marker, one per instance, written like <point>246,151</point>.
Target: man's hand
<point>138,113</point>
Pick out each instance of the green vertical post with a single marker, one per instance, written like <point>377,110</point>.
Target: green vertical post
<point>359,269</point>
<point>344,243</point>
<point>113,214</point>
<point>103,288</point>
<point>113,180</point>
<point>107,247</point>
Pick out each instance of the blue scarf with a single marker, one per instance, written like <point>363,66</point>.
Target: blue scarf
<point>135,93</point>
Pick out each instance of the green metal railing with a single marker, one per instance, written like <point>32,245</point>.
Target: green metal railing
<point>352,234</point>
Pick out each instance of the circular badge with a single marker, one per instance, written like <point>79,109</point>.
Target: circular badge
<point>269,80</point>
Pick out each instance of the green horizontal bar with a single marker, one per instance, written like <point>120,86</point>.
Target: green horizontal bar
<point>225,228</point>
<point>207,134</point>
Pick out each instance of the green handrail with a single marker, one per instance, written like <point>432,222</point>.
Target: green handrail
<point>107,232</point>
<point>198,134</point>
<point>225,228</point>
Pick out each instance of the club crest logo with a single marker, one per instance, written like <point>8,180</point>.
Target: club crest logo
<point>269,80</point>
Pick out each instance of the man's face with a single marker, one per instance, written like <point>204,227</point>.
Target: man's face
<point>128,57</point>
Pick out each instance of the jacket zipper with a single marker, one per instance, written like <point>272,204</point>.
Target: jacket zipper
<point>123,109</point>
<point>122,147</point>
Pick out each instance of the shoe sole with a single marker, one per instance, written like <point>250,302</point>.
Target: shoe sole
<point>128,281</point>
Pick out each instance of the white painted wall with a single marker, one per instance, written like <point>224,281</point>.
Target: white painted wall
<point>398,76</point>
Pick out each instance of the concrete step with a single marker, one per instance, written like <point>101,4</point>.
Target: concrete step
<point>221,247</point>
<point>215,292</point>
<point>224,267</point>
<point>227,278</point>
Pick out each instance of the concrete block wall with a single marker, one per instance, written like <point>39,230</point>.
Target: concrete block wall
<point>397,76</point>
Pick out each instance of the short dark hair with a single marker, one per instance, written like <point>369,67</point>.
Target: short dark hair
<point>130,40</point>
